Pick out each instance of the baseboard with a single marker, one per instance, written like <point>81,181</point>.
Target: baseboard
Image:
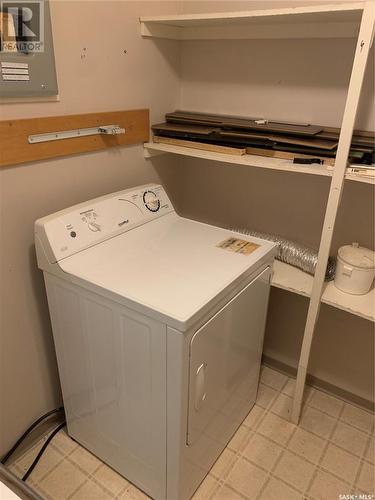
<point>318,383</point>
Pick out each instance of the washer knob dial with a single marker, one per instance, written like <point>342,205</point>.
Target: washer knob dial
<point>151,201</point>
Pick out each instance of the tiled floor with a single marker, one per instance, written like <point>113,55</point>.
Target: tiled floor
<point>330,453</point>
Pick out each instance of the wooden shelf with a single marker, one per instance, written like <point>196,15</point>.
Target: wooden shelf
<point>296,281</point>
<point>153,149</point>
<point>320,21</point>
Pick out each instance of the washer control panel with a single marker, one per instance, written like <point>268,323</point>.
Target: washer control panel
<point>72,230</point>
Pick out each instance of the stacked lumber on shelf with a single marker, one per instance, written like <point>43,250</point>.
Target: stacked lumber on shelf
<point>266,138</point>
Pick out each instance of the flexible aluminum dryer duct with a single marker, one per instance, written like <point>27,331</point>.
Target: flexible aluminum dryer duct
<point>294,254</point>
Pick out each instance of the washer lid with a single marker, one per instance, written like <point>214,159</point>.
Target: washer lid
<point>171,266</point>
<point>357,256</point>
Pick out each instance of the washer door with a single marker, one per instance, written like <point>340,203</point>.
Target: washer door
<point>225,356</point>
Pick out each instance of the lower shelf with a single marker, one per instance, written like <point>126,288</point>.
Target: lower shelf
<point>294,280</point>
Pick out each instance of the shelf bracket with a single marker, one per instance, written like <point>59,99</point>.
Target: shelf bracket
<point>80,132</point>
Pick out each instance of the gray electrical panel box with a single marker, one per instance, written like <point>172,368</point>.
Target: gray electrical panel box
<point>27,60</point>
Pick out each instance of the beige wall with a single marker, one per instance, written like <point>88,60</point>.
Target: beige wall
<point>106,79</point>
<point>295,80</point>
<point>302,81</point>
<point>343,346</point>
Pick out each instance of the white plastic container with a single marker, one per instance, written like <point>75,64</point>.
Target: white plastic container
<point>355,269</point>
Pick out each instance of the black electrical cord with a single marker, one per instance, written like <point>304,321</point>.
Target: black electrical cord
<point>32,426</point>
<point>42,450</point>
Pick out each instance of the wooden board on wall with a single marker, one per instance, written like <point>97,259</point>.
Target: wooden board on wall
<point>15,148</point>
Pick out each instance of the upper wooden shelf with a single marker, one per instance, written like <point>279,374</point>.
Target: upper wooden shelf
<point>319,21</point>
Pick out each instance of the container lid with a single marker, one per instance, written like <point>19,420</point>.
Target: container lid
<point>355,255</point>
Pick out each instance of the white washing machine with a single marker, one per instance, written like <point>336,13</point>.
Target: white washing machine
<point>158,323</point>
